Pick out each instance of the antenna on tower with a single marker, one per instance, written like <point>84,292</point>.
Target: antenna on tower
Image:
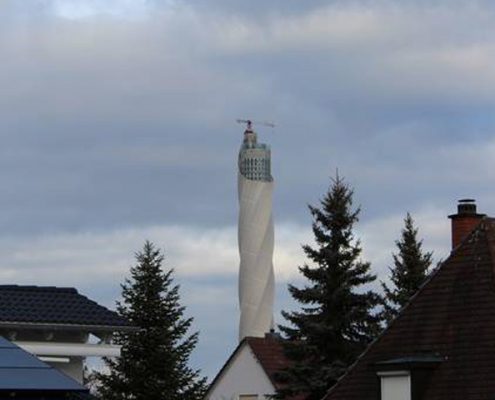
<point>249,123</point>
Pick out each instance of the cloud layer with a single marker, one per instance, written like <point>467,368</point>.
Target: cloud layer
<point>117,125</point>
<point>205,262</point>
<point>110,121</point>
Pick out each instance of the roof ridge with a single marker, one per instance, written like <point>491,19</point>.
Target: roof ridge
<point>257,356</point>
<point>224,367</point>
<point>481,227</point>
<point>39,288</point>
<point>54,305</point>
<point>491,242</point>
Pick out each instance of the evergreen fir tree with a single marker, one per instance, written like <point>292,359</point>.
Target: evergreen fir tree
<point>409,271</point>
<point>153,362</point>
<point>337,320</point>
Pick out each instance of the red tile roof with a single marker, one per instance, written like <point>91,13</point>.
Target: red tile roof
<point>269,352</point>
<point>451,317</point>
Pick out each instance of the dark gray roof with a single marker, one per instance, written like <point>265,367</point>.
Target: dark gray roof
<point>452,316</point>
<point>53,305</point>
<point>23,372</point>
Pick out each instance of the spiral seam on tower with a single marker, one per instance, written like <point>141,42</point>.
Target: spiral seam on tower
<point>256,238</point>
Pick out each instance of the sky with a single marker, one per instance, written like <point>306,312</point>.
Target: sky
<point>118,124</point>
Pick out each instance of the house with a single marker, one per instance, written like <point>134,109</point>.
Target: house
<point>23,376</point>
<point>249,372</point>
<point>442,344</point>
<point>59,325</point>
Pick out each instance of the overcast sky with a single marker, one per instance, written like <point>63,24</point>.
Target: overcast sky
<point>117,124</point>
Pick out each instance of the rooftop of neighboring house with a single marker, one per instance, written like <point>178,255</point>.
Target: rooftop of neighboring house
<point>24,306</point>
<point>444,338</point>
<point>268,351</point>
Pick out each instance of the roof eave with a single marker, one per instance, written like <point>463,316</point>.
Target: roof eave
<point>65,327</point>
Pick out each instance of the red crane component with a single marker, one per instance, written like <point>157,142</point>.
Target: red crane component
<point>249,123</point>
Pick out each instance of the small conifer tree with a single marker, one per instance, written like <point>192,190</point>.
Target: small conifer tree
<point>337,319</point>
<point>153,362</point>
<point>409,271</point>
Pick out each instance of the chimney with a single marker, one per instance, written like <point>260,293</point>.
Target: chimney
<point>464,222</point>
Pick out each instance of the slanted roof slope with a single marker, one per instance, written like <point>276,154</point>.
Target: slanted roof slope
<point>53,305</point>
<point>23,372</point>
<point>269,352</point>
<point>452,317</point>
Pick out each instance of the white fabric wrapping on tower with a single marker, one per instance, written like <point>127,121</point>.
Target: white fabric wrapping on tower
<point>256,239</point>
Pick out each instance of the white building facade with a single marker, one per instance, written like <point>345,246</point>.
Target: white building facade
<point>243,378</point>
<point>250,372</point>
<point>256,237</point>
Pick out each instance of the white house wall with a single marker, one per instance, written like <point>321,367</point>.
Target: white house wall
<point>243,375</point>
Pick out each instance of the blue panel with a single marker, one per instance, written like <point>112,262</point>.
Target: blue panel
<point>36,379</point>
<point>17,358</point>
<point>4,343</point>
<point>20,370</point>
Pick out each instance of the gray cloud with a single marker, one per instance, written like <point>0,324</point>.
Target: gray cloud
<point>205,263</point>
<point>117,124</point>
<point>111,121</point>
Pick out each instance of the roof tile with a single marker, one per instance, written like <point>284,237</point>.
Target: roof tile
<point>52,305</point>
<point>452,316</point>
<point>270,353</point>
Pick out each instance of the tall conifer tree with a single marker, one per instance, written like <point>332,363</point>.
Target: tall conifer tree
<point>337,320</point>
<point>153,363</point>
<point>409,271</point>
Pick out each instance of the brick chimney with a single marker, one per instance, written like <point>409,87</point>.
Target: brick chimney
<point>464,222</point>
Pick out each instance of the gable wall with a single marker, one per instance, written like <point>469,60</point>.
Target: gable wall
<point>244,375</point>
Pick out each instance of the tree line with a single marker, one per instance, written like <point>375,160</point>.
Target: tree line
<point>339,315</point>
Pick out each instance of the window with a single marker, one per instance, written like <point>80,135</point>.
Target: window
<point>395,385</point>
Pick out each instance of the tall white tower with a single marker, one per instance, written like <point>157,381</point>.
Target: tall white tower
<point>256,237</point>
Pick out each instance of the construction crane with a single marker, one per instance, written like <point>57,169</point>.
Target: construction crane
<point>249,123</point>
